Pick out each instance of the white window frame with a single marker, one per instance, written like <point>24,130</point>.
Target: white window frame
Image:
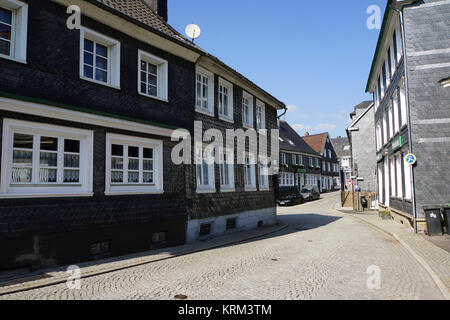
<point>283,158</point>
<point>396,112</point>
<point>249,123</point>
<point>35,188</point>
<point>210,99</point>
<point>135,188</point>
<point>402,103</point>
<point>250,161</point>
<point>230,117</point>
<point>210,160</point>
<point>113,57</point>
<point>260,109</point>
<point>399,37</point>
<point>230,187</point>
<point>393,191</point>
<point>294,158</point>
<point>399,184</point>
<point>385,132</point>
<point>263,174</point>
<point>19,30</point>
<point>162,75</point>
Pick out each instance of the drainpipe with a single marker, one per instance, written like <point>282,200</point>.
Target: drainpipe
<point>285,111</point>
<point>410,146</point>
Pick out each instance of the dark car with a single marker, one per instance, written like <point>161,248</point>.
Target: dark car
<point>310,193</point>
<point>290,199</point>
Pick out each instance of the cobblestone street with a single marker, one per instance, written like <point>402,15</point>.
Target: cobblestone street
<point>323,254</point>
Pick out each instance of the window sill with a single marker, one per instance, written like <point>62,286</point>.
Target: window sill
<point>250,189</point>
<point>136,192</point>
<point>152,97</point>
<point>45,195</point>
<point>100,82</point>
<point>262,131</point>
<point>248,126</point>
<point>205,112</point>
<point>206,191</point>
<point>2,56</point>
<point>229,120</point>
<point>227,190</point>
<point>264,189</point>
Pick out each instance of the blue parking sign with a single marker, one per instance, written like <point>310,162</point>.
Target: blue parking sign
<point>410,159</point>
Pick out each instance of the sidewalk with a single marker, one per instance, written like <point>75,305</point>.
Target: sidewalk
<point>433,258</point>
<point>59,275</point>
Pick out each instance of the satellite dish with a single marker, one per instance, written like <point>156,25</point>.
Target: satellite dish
<point>193,31</point>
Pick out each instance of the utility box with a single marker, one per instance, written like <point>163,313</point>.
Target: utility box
<point>446,213</point>
<point>434,220</point>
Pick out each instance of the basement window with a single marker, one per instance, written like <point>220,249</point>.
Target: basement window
<point>100,248</point>
<point>159,237</point>
<point>231,224</point>
<point>205,229</point>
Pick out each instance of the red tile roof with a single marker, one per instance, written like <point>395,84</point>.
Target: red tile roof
<point>316,141</point>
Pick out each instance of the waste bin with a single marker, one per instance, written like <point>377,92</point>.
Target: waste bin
<point>364,202</point>
<point>446,213</point>
<point>434,220</point>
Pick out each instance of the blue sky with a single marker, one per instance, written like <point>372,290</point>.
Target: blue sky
<point>315,56</point>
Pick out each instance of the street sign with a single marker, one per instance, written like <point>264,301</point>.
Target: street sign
<point>411,159</point>
<point>349,182</point>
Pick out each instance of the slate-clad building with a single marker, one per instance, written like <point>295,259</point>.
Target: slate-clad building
<point>408,79</point>
<point>330,171</point>
<point>86,120</point>
<point>342,147</point>
<point>361,135</point>
<point>299,163</point>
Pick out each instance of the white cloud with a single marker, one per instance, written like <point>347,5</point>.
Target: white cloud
<point>292,107</point>
<point>326,127</point>
<point>301,128</point>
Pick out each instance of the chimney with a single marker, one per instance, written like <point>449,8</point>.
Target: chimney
<point>159,6</point>
<point>307,134</point>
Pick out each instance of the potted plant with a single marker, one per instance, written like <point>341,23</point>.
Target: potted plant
<point>385,215</point>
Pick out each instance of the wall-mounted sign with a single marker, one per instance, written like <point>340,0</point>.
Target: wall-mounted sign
<point>380,157</point>
<point>349,182</point>
<point>397,143</point>
<point>301,171</point>
<point>411,159</point>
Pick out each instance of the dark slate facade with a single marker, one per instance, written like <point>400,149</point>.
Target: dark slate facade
<point>418,103</point>
<point>41,91</point>
<point>297,159</point>
<point>250,208</point>
<point>48,231</point>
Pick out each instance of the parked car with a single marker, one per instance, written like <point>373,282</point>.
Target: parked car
<point>310,193</point>
<point>291,199</point>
